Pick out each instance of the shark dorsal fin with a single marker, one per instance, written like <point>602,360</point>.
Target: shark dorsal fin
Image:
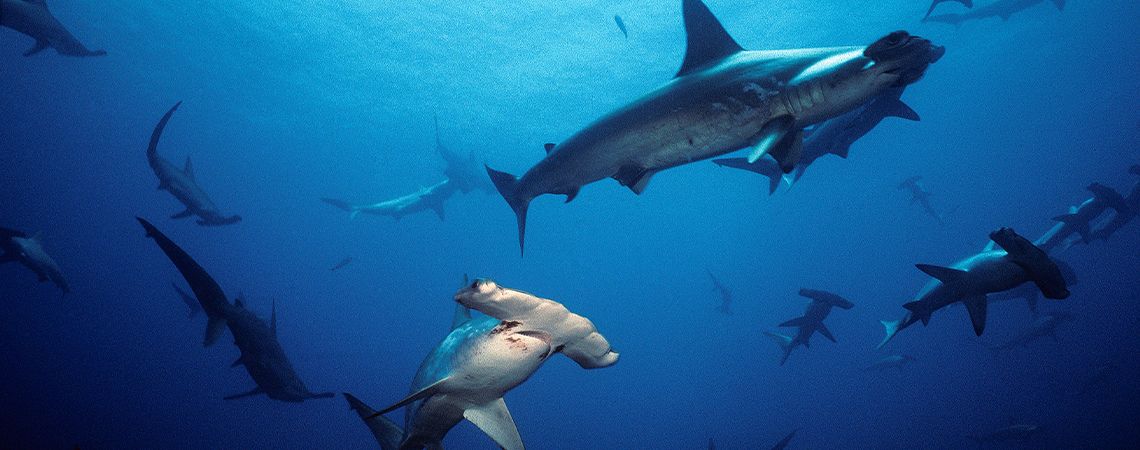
<point>462,315</point>
<point>495,420</point>
<point>707,40</point>
<point>189,169</point>
<point>549,147</point>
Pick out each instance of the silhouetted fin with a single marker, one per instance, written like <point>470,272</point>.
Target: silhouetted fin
<point>621,26</point>
<point>549,147</point>
<point>944,274</point>
<point>785,343</point>
<point>891,328</point>
<point>708,42</point>
<point>771,136</point>
<point>634,177</point>
<point>387,433</point>
<point>418,395</point>
<point>900,110</point>
<point>797,322</point>
<point>822,329</point>
<point>40,46</point>
<point>506,183</point>
<point>917,309</point>
<point>152,148</point>
<point>976,306</point>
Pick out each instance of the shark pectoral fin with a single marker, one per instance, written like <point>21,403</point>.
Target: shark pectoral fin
<point>40,46</point>
<point>182,215</point>
<point>944,274</point>
<point>976,306</point>
<point>495,420</point>
<point>214,329</point>
<point>822,329</point>
<point>250,393</point>
<point>902,111</point>
<point>418,395</point>
<point>771,134</point>
<point>797,322</point>
<point>189,168</point>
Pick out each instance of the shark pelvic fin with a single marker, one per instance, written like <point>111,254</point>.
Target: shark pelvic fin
<point>495,420</point>
<point>418,395</point>
<point>707,41</point>
<point>40,46</point>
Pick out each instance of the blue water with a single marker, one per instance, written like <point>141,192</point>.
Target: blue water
<point>289,101</point>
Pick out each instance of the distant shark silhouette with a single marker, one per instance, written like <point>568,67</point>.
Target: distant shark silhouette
<point>966,3</point>
<point>29,251</point>
<point>919,195</point>
<point>725,295</point>
<point>32,17</point>
<point>810,323</point>
<point>1046,325</point>
<point>483,358</point>
<point>890,362</point>
<point>1000,8</point>
<point>181,183</point>
<point>261,354</point>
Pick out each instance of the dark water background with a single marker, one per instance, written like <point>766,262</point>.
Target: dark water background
<point>289,101</point>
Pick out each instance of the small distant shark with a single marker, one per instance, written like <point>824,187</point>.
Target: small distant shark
<point>811,322</point>
<point>32,17</point>
<point>1046,325</point>
<point>261,354</point>
<point>29,251</point>
<point>181,183</point>
<point>890,362</point>
<point>428,198</point>
<point>189,300</point>
<point>725,295</point>
<point>990,271</point>
<point>723,99</point>
<point>1014,432</point>
<point>1121,218</point>
<point>465,172</point>
<point>919,195</point>
<point>967,3</point>
<point>1080,219</point>
<point>1000,8</point>
<point>482,359</point>
<point>621,26</point>
<point>340,265</point>
<point>832,137</point>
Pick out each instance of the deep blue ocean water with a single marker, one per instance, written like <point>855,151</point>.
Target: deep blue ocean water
<point>288,101</point>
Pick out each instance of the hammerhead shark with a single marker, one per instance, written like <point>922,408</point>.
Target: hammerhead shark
<point>1000,8</point>
<point>17,246</point>
<point>261,354</point>
<point>180,182</point>
<point>810,323</point>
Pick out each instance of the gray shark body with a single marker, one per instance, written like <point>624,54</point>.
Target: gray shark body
<point>1121,218</point>
<point>890,362</point>
<point>933,4</point>
<point>783,443</point>
<point>430,198</point>
<point>16,246</point>
<point>920,196</point>
<point>723,99</point>
<point>180,182</point>
<point>32,18</point>
<point>466,375</point>
<point>1044,326</point>
<point>1003,9</point>
<point>261,353</point>
<point>810,323</point>
<point>832,137</point>
<point>970,280</point>
<point>1083,219</point>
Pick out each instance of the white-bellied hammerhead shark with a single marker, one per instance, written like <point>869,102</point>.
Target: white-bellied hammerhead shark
<point>723,99</point>
<point>466,376</point>
<point>180,182</point>
<point>810,323</point>
<point>1000,8</point>
<point>832,137</point>
<point>1046,325</point>
<point>261,354</point>
<point>464,174</point>
<point>919,195</point>
<point>990,271</point>
<point>17,246</point>
<point>32,17</point>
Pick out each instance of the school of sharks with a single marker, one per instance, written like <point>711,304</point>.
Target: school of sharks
<point>731,104</point>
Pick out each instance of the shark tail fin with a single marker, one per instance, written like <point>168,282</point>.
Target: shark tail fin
<point>353,211</point>
<point>507,184</point>
<point>891,328</point>
<point>387,433</point>
<point>785,343</point>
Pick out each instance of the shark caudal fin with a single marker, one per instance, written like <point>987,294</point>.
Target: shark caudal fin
<point>387,434</point>
<point>891,328</point>
<point>785,343</point>
<point>353,210</point>
<point>152,148</point>
<point>507,184</point>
